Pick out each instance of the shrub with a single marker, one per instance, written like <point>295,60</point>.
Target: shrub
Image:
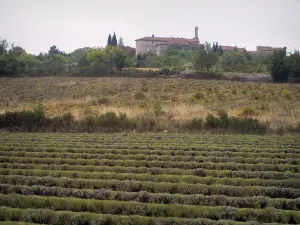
<point>24,120</point>
<point>230,124</point>
<point>158,111</point>
<point>164,71</point>
<point>199,96</point>
<point>103,101</point>
<point>139,95</point>
<point>247,111</point>
<point>195,123</point>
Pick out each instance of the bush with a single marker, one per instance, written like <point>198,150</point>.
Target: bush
<point>139,95</point>
<point>164,71</point>
<point>158,108</point>
<point>36,121</point>
<point>247,111</point>
<point>25,120</point>
<point>224,123</point>
<point>195,123</point>
<point>199,96</point>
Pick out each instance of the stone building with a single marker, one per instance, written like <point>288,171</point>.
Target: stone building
<point>260,50</point>
<point>158,45</point>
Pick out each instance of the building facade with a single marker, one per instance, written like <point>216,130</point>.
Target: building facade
<point>158,45</point>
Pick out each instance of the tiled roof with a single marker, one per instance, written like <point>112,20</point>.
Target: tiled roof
<point>252,52</point>
<point>268,48</point>
<point>231,48</point>
<point>170,40</point>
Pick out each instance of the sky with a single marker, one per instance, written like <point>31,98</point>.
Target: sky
<point>36,25</point>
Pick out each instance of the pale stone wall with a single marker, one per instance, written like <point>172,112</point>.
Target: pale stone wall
<point>161,49</point>
<point>147,46</point>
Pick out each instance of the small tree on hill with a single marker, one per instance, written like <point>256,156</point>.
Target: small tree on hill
<point>294,66</point>
<point>114,41</point>
<point>205,58</point>
<point>109,41</point>
<point>279,67</point>
<point>121,43</point>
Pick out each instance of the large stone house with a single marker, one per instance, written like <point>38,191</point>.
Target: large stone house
<point>158,45</point>
<point>261,50</point>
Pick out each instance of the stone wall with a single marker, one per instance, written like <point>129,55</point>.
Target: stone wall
<point>147,46</point>
<point>161,49</point>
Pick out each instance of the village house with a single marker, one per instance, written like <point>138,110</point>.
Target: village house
<point>158,45</point>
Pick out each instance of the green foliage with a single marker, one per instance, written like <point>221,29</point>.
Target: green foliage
<point>104,60</point>
<point>224,123</point>
<point>133,208</point>
<point>176,56</point>
<point>234,61</point>
<point>165,71</point>
<point>109,40</point>
<point>121,43</point>
<point>158,108</point>
<point>37,121</point>
<point>114,41</point>
<point>279,67</point>
<point>294,66</point>
<point>153,61</point>
<point>205,58</point>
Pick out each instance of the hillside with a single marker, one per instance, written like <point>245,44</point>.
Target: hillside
<point>179,99</point>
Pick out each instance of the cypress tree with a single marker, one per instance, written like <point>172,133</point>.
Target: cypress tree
<point>109,41</point>
<point>114,41</point>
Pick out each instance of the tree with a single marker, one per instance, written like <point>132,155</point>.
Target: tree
<point>54,50</point>
<point>120,58</point>
<point>16,51</point>
<point>173,50</point>
<point>234,61</point>
<point>105,59</point>
<point>205,58</point>
<point>121,43</point>
<point>279,66</point>
<point>109,41</point>
<point>214,47</point>
<point>53,64</point>
<point>3,46</point>
<point>294,66</point>
<point>154,61</point>
<point>114,40</point>
<point>140,60</point>
<point>173,61</point>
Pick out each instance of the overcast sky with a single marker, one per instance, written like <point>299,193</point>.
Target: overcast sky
<point>70,24</point>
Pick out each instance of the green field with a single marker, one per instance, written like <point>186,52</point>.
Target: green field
<point>149,179</point>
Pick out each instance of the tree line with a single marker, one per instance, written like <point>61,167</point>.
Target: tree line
<point>87,61</point>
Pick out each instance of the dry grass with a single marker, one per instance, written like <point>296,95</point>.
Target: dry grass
<point>182,99</point>
<point>148,69</point>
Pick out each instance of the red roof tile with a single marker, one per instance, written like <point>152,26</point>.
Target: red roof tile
<point>171,40</point>
<point>267,48</point>
<point>231,48</point>
<point>252,52</point>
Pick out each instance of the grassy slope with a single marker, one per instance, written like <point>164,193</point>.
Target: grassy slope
<point>182,99</point>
